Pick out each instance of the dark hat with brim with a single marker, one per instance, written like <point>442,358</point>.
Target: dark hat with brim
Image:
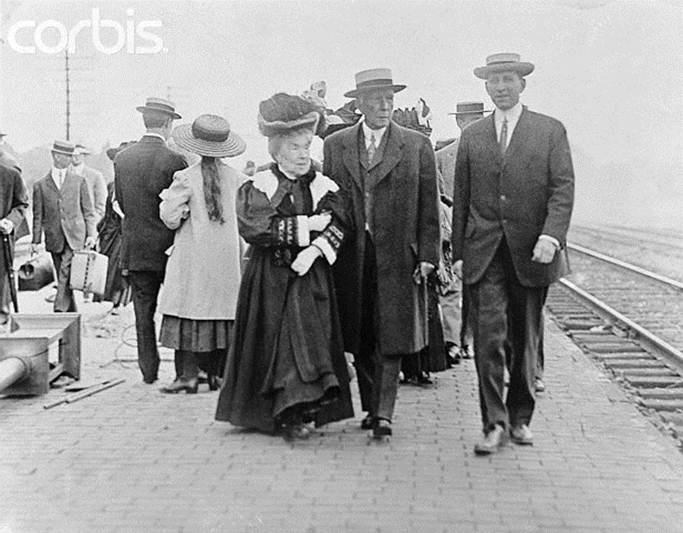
<point>469,108</point>
<point>159,105</point>
<point>209,136</point>
<point>63,147</point>
<point>504,62</point>
<point>283,112</point>
<point>374,79</point>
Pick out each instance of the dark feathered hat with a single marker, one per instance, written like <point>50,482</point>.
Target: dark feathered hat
<point>284,112</point>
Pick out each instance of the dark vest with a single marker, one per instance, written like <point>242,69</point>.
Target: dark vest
<point>369,177</point>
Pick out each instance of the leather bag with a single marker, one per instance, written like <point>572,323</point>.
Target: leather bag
<point>35,273</point>
<point>89,272</point>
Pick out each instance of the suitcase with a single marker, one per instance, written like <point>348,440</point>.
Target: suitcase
<point>89,272</point>
<point>35,273</point>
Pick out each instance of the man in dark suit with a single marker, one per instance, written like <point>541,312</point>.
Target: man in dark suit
<point>141,172</point>
<point>514,193</point>
<point>389,174</point>
<point>453,300</point>
<point>63,210</point>
<point>13,206</point>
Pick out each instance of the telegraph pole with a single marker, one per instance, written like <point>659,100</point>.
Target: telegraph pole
<point>68,94</point>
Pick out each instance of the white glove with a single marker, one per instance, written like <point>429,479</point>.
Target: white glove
<point>319,222</point>
<point>304,261</point>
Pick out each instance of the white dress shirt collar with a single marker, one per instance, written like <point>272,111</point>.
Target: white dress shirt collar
<point>512,115</point>
<point>367,133</point>
<point>78,169</point>
<point>154,134</point>
<point>58,175</point>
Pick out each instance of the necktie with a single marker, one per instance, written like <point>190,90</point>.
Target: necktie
<point>504,136</point>
<point>372,148</point>
<point>60,179</point>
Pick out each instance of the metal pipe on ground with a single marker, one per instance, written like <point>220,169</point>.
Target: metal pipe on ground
<point>12,370</point>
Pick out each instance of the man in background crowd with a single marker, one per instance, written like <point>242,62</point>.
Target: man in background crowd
<point>13,206</point>
<point>452,298</point>
<point>97,186</point>
<point>62,208</point>
<point>141,172</point>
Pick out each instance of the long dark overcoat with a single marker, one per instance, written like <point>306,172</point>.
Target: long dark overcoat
<point>526,193</point>
<point>141,172</point>
<point>13,206</point>
<point>405,224</point>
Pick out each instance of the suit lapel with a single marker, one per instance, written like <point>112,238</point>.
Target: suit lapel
<point>492,137</point>
<point>50,183</point>
<point>519,135</point>
<point>391,155</point>
<point>351,154</point>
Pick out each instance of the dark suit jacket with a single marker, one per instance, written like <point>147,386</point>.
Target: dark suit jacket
<point>405,224</point>
<point>527,193</point>
<point>65,214</point>
<point>13,200</point>
<point>141,172</point>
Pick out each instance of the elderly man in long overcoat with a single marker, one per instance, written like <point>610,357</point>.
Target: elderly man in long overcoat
<point>389,174</point>
<point>514,193</point>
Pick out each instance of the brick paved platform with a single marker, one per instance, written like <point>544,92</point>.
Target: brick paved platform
<point>133,460</point>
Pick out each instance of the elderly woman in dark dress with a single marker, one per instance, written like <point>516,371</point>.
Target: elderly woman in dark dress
<point>286,366</point>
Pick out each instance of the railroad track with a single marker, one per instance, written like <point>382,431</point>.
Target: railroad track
<point>631,321</point>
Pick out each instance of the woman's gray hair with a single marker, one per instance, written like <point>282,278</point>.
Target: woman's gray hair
<point>275,142</point>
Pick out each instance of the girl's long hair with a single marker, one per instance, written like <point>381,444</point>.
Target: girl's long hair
<point>212,189</point>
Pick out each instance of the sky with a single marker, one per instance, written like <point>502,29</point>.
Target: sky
<point>609,70</point>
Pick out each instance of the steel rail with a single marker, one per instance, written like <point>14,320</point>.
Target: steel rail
<point>628,266</point>
<point>645,336</point>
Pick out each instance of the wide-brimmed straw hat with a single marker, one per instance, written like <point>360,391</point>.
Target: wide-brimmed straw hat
<point>63,147</point>
<point>504,62</point>
<point>374,78</point>
<point>469,108</point>
<point>209,136</point>
<point>285,112</point>
<point>159,105</point>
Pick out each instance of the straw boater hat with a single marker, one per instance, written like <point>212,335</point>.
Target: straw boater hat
<point>469,108</point>
<point>504,62</point>
<point>210,136</point>
<point>159,105</point>
<point>80,149</point>
<point>63,147</point>
<point>284,112</point>
<point>374,78</point>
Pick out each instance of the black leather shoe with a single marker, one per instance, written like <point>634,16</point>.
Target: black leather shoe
<point>213,381</point>
<point>291,432</point>
<point>382,429</point>
<point>149,381</point>
<point>539,385</point>
<point>453,355</point>
<point>368,422</point>
<point>188,386</point>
